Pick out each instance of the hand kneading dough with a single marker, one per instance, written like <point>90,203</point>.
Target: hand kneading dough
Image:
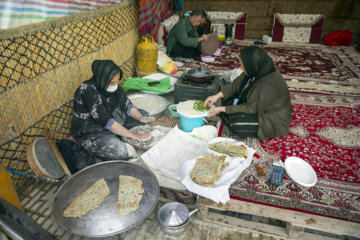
<point>205,133</point>
<point>130,194</point>
<point>88,200</point>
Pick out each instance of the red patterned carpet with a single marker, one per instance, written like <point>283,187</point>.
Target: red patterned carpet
<point>325,131</point>
<point>308,68</point>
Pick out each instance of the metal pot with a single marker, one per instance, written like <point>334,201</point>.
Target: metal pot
<point>199,75</point>
<point>174,218</point>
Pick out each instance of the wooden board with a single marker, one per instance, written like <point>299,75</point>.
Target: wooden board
<point>296,221</point>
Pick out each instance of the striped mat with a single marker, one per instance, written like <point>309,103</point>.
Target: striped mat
<point>14,13</point>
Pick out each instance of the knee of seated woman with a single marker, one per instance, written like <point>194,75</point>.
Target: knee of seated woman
<point>110,148</point>
<point>117,150</point>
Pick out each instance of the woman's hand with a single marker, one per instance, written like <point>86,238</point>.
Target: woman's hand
<point>139,136</point>
<point>215,111</point>
<point>120,130</point>
<point>212,99</point>
<point>146,119</point>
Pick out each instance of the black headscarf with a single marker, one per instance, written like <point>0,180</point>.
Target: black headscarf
<point>257,63</point>
<point>103,72</point>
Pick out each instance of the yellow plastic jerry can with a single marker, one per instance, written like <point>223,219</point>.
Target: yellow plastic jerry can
<point>146,56</point>
<point>7,189</point>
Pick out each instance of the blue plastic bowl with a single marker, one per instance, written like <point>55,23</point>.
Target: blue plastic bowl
<point>172,110</point>
<point>188,124</point>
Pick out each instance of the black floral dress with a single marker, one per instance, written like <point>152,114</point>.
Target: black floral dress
<point>94,114</point>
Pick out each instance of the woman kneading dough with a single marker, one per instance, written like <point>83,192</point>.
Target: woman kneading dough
<point>103,113</point>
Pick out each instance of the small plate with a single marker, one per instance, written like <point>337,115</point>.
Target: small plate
<point>179,64</point>
<point>300,171</point>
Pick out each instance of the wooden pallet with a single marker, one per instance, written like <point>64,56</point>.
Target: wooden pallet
<point>296,222</point>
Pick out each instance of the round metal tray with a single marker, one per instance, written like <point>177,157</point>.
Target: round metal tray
<point>103,221</point>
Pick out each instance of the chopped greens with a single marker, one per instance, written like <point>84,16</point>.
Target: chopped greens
<point>199,106</point>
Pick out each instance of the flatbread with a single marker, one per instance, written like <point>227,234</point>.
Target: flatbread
<point>230,149</point>
<point>88,200</point>
<point>130,194</point>
<point>210,46</point>
<point>207,169</point>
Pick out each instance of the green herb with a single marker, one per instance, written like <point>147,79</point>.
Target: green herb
<point>199,106</point>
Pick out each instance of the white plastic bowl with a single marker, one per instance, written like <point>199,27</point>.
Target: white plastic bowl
<point>206,58</point>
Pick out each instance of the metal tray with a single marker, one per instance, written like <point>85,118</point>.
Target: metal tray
<point>103,221</point>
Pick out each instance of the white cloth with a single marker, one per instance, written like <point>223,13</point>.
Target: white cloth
<point>219,193</point>
<point>169,154</point>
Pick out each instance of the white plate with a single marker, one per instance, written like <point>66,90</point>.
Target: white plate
<point>159,76</point>
<point>300,171</point>
<point>179,64</point>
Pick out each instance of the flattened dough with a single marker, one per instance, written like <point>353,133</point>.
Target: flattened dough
<point>207,169</point>
<point>130,194</point>
<point>230,149</point>
<point>88,200</point>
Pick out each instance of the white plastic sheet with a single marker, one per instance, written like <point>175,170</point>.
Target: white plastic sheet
<point>171,152</point>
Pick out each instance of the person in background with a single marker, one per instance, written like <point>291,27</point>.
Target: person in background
<point>257,103</point>
<point>201,29</point>
<point>184,40</point>
<point>103,113</point>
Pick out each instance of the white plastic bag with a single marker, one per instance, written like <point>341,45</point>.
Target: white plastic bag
<point>165,63</point>
<point>170,153</point>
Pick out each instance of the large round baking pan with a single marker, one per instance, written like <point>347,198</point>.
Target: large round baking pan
<point>103,221</point>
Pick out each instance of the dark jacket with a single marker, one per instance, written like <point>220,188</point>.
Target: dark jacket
<point>269,99</point>
<point>95,109</point>
<point>179,34</point>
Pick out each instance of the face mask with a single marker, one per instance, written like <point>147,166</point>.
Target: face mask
<point>112,88</point>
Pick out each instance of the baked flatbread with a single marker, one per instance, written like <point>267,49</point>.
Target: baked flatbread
<point>207,169</point>
<point>130,194</point>
<point>88,200</point>
<point>230,149</point>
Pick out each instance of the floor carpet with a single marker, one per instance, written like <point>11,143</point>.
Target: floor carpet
<point>325,130</point>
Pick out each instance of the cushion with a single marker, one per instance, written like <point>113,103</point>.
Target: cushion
<point>305,28</point>
<point>165,28</point>
<point>338,38</point>
<point>218,19</point>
